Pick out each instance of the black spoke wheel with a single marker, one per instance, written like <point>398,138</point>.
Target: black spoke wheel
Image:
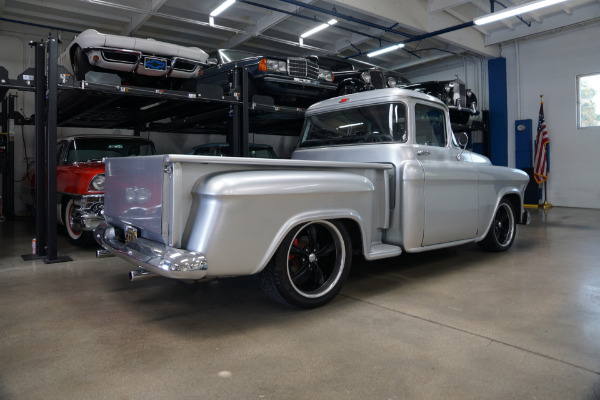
<point>501,234</point>
<point>310,266</point>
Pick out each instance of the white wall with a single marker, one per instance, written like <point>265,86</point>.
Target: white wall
<point>549,65</point>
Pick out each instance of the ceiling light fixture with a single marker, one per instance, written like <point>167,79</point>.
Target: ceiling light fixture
<point>318,28</point>
<point>385,50</point>
<point>514,10</point>
<point>221,8</point>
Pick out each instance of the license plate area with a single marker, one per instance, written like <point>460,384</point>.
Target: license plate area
<point>130,233</point>
<point>155,63</point>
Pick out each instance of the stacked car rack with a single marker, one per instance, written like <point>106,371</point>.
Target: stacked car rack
<point>101,101</point>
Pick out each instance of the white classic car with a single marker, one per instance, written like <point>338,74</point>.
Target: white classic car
<point>130,57</point>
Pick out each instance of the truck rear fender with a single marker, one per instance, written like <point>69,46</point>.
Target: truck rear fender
<point>238,219</point>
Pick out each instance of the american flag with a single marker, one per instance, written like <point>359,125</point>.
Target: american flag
<point>540,172</point>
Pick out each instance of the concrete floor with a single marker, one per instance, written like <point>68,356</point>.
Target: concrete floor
<point>452,324</point>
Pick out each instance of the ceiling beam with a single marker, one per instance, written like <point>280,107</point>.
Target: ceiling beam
<point>140,19</point>
<point>416,17</point>
<point>262,24</point>
<point>578,16</point>
<point>443,5</point>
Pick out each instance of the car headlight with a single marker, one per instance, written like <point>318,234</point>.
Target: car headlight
<point>391,82</point>
<point>276,65</point>
<point>325,74</point>
<point>97,183</point>
<point>366,77</point>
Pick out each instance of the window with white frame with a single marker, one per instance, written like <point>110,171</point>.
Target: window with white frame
<point>588,100</point>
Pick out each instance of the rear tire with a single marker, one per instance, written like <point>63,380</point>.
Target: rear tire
<point>76,235</point>
<point>81,64</point>
<point>310,266</point>
<point>503,230</point>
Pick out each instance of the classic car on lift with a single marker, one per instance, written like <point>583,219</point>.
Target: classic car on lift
<point>143,61</point>
<point>350,79</point>
<point>80,179</point>
<point>290,81</point>
<point>255,150</point>
<point>461,102</point>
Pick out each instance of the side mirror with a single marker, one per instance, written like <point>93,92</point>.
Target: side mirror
<point>212,61</point>
<point>463,139</point>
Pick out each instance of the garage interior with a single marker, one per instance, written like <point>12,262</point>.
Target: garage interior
<point>453,323</point>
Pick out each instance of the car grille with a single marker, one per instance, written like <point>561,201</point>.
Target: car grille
<point>120,56</point>
<point>303,68</point>
<point>184,65</point>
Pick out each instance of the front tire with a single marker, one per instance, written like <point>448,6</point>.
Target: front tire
<point>502,233</point>
<point>310,266</point>
<point>80,63</point>
<point>77,236</point>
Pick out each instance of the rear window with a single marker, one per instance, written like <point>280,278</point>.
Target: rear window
<point>371,124</point>
<point>95,149</point>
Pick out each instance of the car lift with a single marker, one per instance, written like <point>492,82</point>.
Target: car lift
<point>58,100</point>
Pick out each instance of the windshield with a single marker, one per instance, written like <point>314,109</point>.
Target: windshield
<point>226,56</point>
<point>370,124</point>
<point>224,150</point>
<point>89,149</point>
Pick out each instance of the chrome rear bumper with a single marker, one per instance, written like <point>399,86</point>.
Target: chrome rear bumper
<point>152,256</point>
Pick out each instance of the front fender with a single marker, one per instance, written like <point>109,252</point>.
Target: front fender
<point>238,219</point>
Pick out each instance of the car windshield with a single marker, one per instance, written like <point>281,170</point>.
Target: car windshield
<point>226,56</point>
<point>371,124</point>
<point>91,149</point>
<point>223,150</point>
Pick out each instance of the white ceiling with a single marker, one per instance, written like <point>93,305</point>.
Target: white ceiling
<point>274,26</point>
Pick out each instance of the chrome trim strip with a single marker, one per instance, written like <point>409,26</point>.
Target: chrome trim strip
<point>152,256</point>
<point>323,85</point>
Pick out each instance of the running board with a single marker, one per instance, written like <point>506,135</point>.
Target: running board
<point>381,250</point>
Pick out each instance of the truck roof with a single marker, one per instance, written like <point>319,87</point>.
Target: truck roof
<point>370,97</point>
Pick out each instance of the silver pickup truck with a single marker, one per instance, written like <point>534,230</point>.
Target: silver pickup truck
<point>376,173</point>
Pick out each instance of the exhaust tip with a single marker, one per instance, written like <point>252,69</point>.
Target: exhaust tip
<point>141,274</point>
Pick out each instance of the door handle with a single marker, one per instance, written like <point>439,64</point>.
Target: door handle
<point>423,152</point>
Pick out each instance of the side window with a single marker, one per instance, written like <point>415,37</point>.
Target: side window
<point>430,126</point>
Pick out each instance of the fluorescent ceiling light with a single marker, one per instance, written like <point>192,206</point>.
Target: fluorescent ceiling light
<point>385,50</point>
<point>319,28</point>
<point>514,10</point>
<point>222,8</point>
<point>350,125</point>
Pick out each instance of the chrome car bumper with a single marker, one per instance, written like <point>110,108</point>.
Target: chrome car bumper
<point>152,256</point>
<point>89,212</point>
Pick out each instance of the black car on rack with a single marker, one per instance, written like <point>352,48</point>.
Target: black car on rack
<point>350,79</point>
<point>461,101</point>
<point>289,81</point>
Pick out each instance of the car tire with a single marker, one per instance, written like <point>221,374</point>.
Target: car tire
<point>81,64</point>
<point>503,229</point>
<point>76,236</point>
<point>310,266</point>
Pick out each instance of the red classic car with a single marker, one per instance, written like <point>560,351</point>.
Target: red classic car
<point>80,179</point>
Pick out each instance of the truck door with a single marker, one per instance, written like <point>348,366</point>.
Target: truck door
<point>450,186</point>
